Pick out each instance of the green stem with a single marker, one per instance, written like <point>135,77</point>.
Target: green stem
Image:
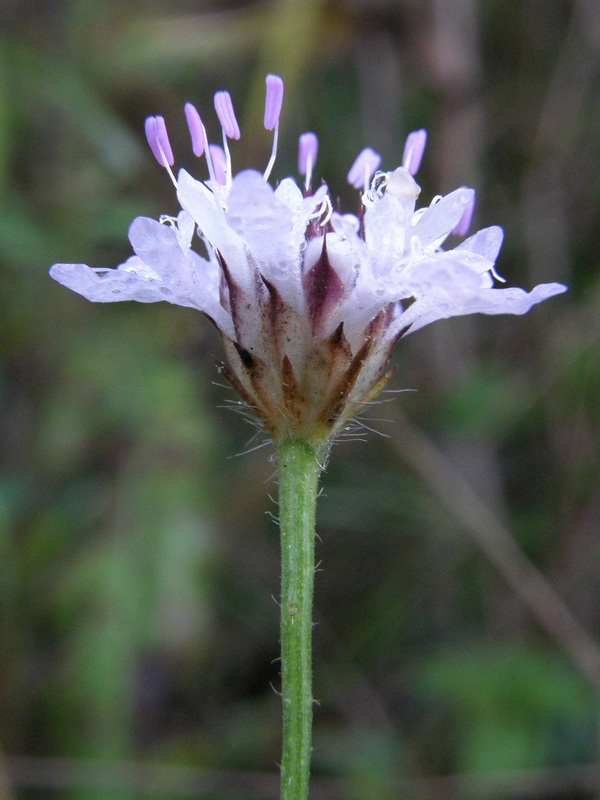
<point>299,471</point>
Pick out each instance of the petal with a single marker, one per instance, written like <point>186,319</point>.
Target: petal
<point>402,186</point>
<point>346,224</point>
<point>266,225</point>
<point>442,304</point>
<point>260,218</point>
<point>186,228</point>
<point>288,193</point>
<point>486,242</point>
<point>438,220</point>
<point>343,257</point>
<point>160,270</point>
<point>303,208</point>
<point>202,205</point>
<point>158,247</point>
<point>129,282</point>
<point>454,269</point>
<point>386,228</point>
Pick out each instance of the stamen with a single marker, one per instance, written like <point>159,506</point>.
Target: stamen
<point>209,163</point>
<point>226,115</point>
<point>269,166</point>
<point>308,147</point>
<point>199,138</point>
<point>323,212</point>
<point>150,129</point>
<point>162,139</point>
<point>364,168</point>
<point>219,162</point>
<point>197,130</point>
<point>273,101</point>
<point>158,139</point>
<point>228,167</point>
<point>413,150</point>
<point>378,186</point>
<point>464,223</point>
<point>327,210</point>
<point>495,275</point>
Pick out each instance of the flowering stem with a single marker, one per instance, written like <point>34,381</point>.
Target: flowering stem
<point>299,470</point>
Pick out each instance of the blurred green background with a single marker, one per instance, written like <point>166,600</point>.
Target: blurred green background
<point>457,642</point>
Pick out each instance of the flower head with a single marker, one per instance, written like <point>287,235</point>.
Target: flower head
<point>309,302</point>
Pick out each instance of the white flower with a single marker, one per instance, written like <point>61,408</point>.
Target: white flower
<point>309,302</point>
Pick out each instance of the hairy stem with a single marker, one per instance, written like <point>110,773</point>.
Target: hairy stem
<point>299,471</point>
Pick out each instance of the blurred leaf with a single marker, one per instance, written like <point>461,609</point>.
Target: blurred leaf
<point>50,85</point>
<point>513,707</point>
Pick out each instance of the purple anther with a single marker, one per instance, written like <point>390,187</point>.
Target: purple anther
<point>364,168</point>
<point>219,162</point>
<point>464,223</point>
<point>273,101</point>
<point>413,150</point>
<point>150,128</point>
<point>156,134</point>
<point>308,147</point>
<point>158,139</point>
<point>196,127</point>
<point>226,115</point>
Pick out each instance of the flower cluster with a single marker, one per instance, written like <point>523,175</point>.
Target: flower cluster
<point>309,302</point>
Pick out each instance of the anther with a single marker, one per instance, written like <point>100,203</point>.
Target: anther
<point>413,150</point>
<point>464,223</point>
<point>226,115</point>
<point>308,148</point>
<point>364,168</point>
<point>150,129</point>
<point>273,101</point>
<point>158,139</point>
<point>196,128</point>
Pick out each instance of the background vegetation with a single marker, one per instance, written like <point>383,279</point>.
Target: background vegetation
<point>457,646</point>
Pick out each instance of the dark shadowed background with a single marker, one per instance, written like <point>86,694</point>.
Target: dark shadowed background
<point>457,646</point>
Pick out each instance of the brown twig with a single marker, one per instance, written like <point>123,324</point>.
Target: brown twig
<point>495,540</point>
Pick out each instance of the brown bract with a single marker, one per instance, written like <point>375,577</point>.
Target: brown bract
<point>315,397</point>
